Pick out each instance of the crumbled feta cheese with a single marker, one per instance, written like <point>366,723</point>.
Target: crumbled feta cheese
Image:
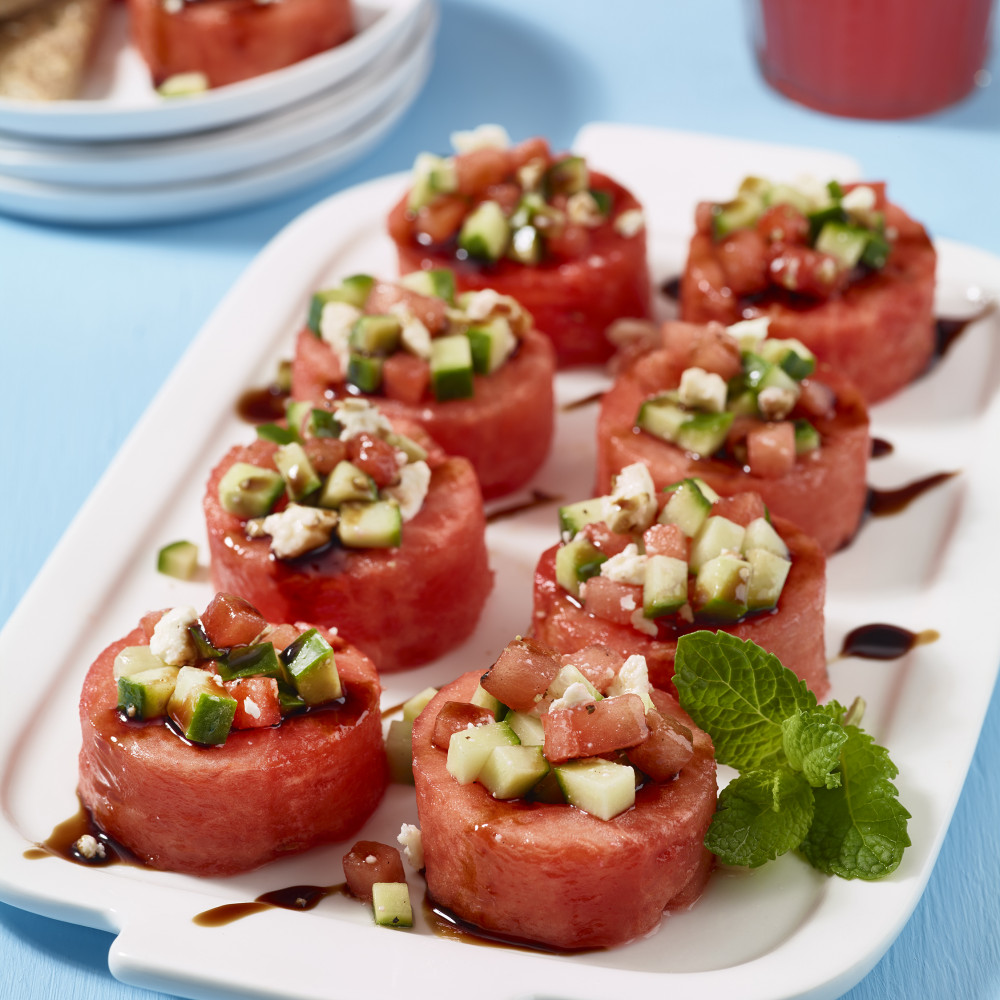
<point>814,190</point>
<point>686,613</point>
<point>703,390</point>
<point>630,223</point>
<point>298,529</point>
<point>416,338</point>
<point>748,333</point>
<point>776,402</point>
<point>335,323</point>
<point>482,304</point>
<point>251,708</point>
<point>627,566</point>
<point>370,859</point>
<point>90,847</point>
<point>413,845</point>
<point>860,199</point>
<point>575,694</point>
<point>643,624</point>
<point>171,641</point>
<point>409,492</point>
<point>530,175</point>
<point>582,209</point>
<point>627,603</point>
<point>633,677</point>
<point>481,137</point>
<point>358,416</point>
<point>631,505</point>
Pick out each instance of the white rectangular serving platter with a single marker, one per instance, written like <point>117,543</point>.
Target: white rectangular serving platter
<point>758,936</point>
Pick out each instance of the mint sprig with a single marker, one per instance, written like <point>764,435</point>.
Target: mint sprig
<point>808,781</point>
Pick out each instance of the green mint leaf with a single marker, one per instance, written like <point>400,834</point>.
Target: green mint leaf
<point>812,742</point>
<point>859,829</point>
<point>761,814</point>
<point>739,694</point>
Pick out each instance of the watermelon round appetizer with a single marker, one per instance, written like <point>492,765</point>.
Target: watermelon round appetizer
<point>356,526</point>
<point>838,267</point>
<point>638,568</point>
<point>470,369</point>
<point>215,743</point>
<point>573,821</point>
<point>230,40</point>
<point>743,411</point>
<point>566,242</point>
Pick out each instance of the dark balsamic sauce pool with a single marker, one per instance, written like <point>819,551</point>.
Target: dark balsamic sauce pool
<point>293,897</point>
<point>882,503</point>
<point>262,405</point>
<point>62,841</point>
<point>879,641</point>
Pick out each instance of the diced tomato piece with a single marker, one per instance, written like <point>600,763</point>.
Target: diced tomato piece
<point>696,345</point>
<point>742,508</point>
<point>531,149</point>
<point>375,457</point>
<point>456,716</point>
<point>784,224</point>
<point>477,170</point>
<point>599,664</point>
<point>594,728</point>
<point>257,704</point>
<point>441,219</point>
<point>231,621</point>
<point>368,862</point>
<point>666,749</point>
<point>429,309</point>
<point>816,399</point>
<point>666,540</point>
<point>805,271</point>
<point>771,449</point>
<point>604,539</point>
<point>616,602</point>
<point>743,256</point>
<point>325,454</point>
<point>521,674</point>
<point>405,377</point>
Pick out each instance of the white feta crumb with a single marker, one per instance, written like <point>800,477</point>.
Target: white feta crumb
<point>582,210</point>
<point>575,694</point>
<point>631,505</point>
<point>627,603</point>
<point>775,402</point>
<point>814,190</point>
<point>251,708</point>
<point>748,333</point>
<point>413,845</point>
<point>358,416</point>
<point>482,304</point>
<point>416,338</point>
<point>173,6</point>
<point>627,566</point>
<point>298,529</point>
<point>643,624</point>
<point>686,613</point>
<point>481,137</point>
<point>703,390</point>
<point>630,223</point>
<point>370,859</point>
<point>497,837</point>
<point>633,677</point>
<point>254,528</point>
<point>409,492</point>
<point>859,199</point>
<point>90,847</point>
<point>530,175</point>
<point>171,641</point>
<point>335,322</point>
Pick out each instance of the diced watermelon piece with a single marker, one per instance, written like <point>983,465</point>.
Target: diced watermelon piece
<point>699,345</point>
<point>456,716</point>
<point>480,168</point>
<point>604,539</point>
<point>368,862</point>
<point>611,600</point>
<point>375,457</point>
<point>521,674</point>
<point>594,728</point>
<point>429,309</point>
<point>405,377</point>
<point>598,664</point>
<point>231,621</point>
<point>325,453</point>
<point>741,508</point>
<point>771,449</point>
<point>665,750</point>
<point>257,704</point>
<point>667,540</point>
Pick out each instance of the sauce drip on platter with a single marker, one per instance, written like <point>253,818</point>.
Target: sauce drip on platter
<point>879,641</point>
<point>882,503</point>
<point>293,897</point>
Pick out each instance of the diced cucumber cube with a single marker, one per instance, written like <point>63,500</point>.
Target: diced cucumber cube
<point>568,675</point>
<point>251,661</point>
<point>345,483</point>
<point>377,525</point>
<point>704,433</point>
<point>178,559</point>
<point>785,194</point>
<point>135,660</point>
<point>451,367</point>
<point>807,438</point>
<point>391,904</point>
<point>716,535</point>
<point>566,176</point>
<point>378,334</point>
<point>528,728</point>
<point>183,85</point>
<point>577,560</point>
<point>688,508</point>
<point>791,355</point>
<point>876,251</point>
<point>484,699</point>
<point>413,451</point>
<point>297,471</point>
<point>600,787</point>
<point>842,241</point>
<point>145,695</point>
<point>485,232</point>
<point>412,707</point>
<point>352,290</point>
<point>364,372</point>
<point>438,282</point>
<point>432,175</point>
<point>720,588</point>
<point>666,586</point>
<point>322,424</point>
<point>297,411</point>
<point>822,216</point>
<point>510,772</point>
<point>662,417</point>
<point>740,213</point>
<point>573,517</point>
<point>491,345</point>
<point>249,491</point>
<point>399,751</point>
<point>469,749</point>
<point>768,573</point>
<point>548,789</point>
<point>760,534</point>
<point>201,707</point>
<point>312,666</point>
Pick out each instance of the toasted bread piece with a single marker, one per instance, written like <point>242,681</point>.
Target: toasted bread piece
<point>43,52</point>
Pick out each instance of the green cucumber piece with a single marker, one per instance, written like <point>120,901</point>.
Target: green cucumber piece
<point>258,660</point>
<point>715,536</point>
<point>566,176</point>
<point>662,416</point>
<point>297,471</point>
<point>486,232</point>
<point>432,175</point>
<point>399,751</point>
<point>566,676</point>
<point>510,772</point>
<point>412,707</point>
<point>666,586</point>
<point>704,433</point>
<point>469,749</point>
<point>135,660</point>
<point>378,334</point>
<point>821,217</point>
<point>491,345</point>
<point>876,251</point>
<point>377,525</point>
<point>178,559</point>
<point>249,491</point>
<point>145,695</point>
<point>844,242</point>
<point>296,413</point>
<point>574,517</point>
<point>353,290</point>
<point>528,728</point>
<point>364,372</point>
<point>451,368</point>
<point>720,588</point>
<point>740,213</point>
<point>346,483</point>
<point>200,707</point>
<point>438,282</point>
<point>391,904</point>
<point>791,355</point>
<point>599,787</point>
<point>577,560</point>
<point>760,534</point>
<point>688,507</point>
<point>413,451</point>
<point>768,573</point>
<point>312,666</point>
<point>484,699</point>
<point>807,438</point>
<point>322,424</point>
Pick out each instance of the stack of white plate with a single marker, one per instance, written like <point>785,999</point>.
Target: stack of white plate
<point>122,154</point>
